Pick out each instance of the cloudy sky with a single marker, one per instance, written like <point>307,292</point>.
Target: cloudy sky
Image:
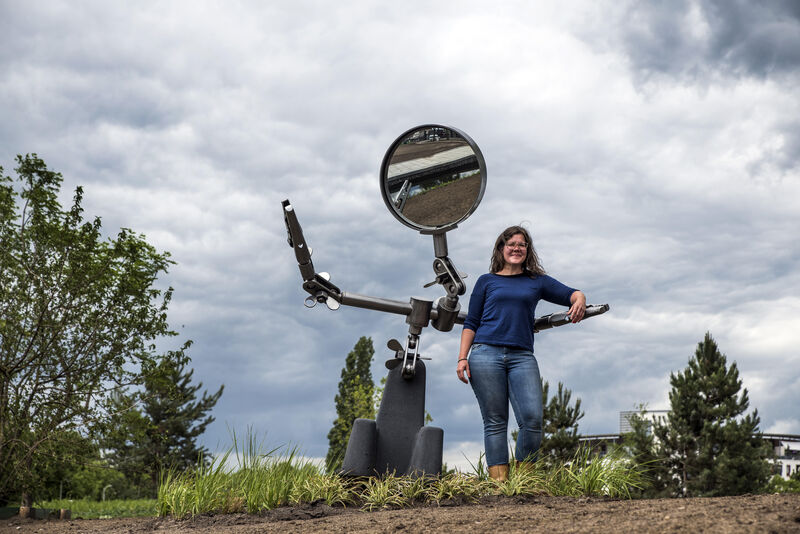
<point>652,149</point>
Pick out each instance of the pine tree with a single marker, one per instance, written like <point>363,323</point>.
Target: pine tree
<point>640,446</point>
<point>125,442</point>
<point>354,400</point>
<point>560,424</point>
<point>708,445</point>
<point>160,431</point>
<point>177,417</point>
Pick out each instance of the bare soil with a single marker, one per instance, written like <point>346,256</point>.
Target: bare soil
<point>747,513</point>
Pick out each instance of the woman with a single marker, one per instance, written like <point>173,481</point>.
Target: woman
<point>499,331</point>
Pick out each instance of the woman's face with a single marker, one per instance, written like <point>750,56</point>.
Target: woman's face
<point>515,250</point>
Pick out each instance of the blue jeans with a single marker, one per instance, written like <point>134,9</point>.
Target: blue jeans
<point>500,374</point>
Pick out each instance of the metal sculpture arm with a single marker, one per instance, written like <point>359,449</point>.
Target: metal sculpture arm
<point>417,311</point>
<point>321,289</point>
<point>317,284</point>
<point>561,318</point>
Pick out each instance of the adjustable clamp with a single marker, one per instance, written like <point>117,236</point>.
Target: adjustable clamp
<point>318,285</point>
<point>408,355</point>
<point>448,276</point>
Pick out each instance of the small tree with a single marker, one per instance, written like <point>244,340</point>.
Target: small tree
<point>56,463</point>
<point>161,429</point>
<point>640,445</point>
<point>560,425</point>
<point>354,400</point>
<point>176,416</point>
<point>79,316</point>
<point>707,443</point>
<point>124,439</point>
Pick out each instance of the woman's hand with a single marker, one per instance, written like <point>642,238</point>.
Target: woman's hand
<point>462,367</point>
<point>462,370</point>
<point>578,308</point>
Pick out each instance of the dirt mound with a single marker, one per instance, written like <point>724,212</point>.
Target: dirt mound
<point>747,513</point>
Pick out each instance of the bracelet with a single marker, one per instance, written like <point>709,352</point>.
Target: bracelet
<point>462,359</point>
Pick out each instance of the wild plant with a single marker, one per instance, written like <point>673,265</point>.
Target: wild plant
<point>479,468</point>
<point>265,480</point>
<point>457,486</point>
<point>415,489</point>
<point>379,493</point>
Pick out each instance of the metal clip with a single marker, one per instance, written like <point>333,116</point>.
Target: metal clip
<point>412,347</point>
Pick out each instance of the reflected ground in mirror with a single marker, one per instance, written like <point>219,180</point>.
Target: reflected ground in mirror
<point>434,177</point>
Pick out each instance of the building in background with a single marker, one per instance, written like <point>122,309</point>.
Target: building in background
<point>649,415</point>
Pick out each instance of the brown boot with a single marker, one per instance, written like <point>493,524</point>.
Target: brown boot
<point>498,473</point>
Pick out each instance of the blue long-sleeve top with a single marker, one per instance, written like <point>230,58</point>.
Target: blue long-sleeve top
<point>502,308</point>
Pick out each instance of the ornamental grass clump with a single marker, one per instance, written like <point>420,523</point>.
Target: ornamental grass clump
<point>270,479</point>
<point>457,486</point>
<point>528,478</point>
<point>206,489</point>
<point>386,492</point>
<point>612,475</point>
<point>262,481</point>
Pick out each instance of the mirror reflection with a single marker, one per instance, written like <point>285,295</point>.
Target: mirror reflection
<point>433,177</point>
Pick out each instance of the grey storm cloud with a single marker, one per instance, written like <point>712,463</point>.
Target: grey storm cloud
<point>695,39</point>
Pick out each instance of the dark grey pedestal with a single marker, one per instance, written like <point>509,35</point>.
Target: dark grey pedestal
<point>396,442</point>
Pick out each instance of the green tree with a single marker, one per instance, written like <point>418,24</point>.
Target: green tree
<point>89,481</point>
<point>79,316</point>
<point>640,445</point>
<point>57,461</point>
<point>559,424</point>
<point>124,439</point>
<point>354,400</point>
<point>158,427</point>
<point>708,445</point>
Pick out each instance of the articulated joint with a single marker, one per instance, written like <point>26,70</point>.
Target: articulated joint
<point>417,320</point>
<point>448,276</point>
<point>447,309</point>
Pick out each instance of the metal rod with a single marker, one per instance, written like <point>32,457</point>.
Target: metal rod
<point>388,305</point>
<point>440,245</point>
<point>404,308</point>
<point>376,303</point>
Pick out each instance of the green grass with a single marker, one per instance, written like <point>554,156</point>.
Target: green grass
<point>266,480</point>
<point>103,509</point>
<point>777,484</point>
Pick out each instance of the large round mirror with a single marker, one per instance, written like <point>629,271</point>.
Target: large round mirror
<point>433,177</point>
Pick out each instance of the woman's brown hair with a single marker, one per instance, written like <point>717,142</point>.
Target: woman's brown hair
<point>532,267</point>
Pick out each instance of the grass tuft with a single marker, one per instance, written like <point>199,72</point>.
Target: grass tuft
<point>382,493</point>
<point>457,486</point>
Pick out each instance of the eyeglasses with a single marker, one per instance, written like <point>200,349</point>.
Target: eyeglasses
<point>523,246</point>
